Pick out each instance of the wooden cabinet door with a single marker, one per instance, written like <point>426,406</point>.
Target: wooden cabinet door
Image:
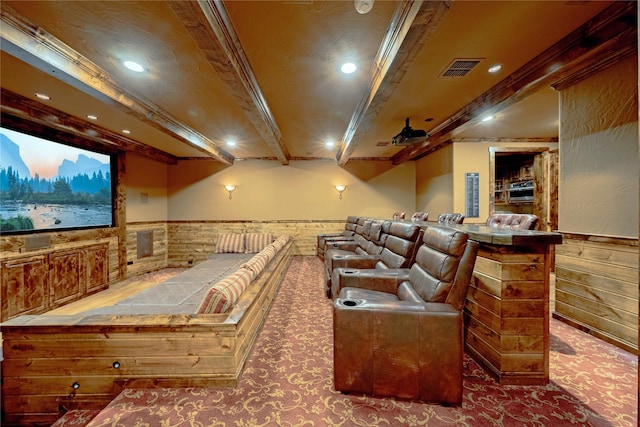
<point>97,268</point>
<point>24,286</point>
<point>67,277</point>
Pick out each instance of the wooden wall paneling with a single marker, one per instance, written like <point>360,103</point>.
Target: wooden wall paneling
<point>545,172</point>
<point>120,214</point>
<point>52,277</point>
<point>507,313</point>
<point>97,268</point>
<point>159,259</point>
<point>14,246</point>
<point>114,260</point>
<point>25,286</point>
<point>67,280</point>
<point>191,242</point>
<point>597,287</point>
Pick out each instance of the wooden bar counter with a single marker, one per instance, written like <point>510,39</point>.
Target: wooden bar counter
<point>507,309</point>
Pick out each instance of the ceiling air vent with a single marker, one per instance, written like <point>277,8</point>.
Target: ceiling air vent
<point>460,67</point>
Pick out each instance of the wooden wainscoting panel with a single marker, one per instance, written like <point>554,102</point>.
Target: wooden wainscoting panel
<point>597,287</point>
<point>97,268</point>
<point>25,286</point>
<point>36,283</point>
<point>157,261</point>
<point>191,242</point>
<point>67,272</point>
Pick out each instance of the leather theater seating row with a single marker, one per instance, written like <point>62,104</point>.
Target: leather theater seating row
<point>399,289</point>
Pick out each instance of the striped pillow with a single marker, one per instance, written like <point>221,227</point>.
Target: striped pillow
<point>230,243</point>
<point>224,293</point>
<point>281,241</point>
<point>256,264</point>
<point>255,242</point>
<point>270,252</point>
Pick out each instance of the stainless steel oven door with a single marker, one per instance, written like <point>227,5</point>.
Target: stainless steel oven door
<point>521,195</point>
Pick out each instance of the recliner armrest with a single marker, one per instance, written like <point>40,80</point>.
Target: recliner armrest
<point>372,279</point>
<point>343,245</point>
<point>322,237</point>
<point>341,259</point>
<point>355,261</point>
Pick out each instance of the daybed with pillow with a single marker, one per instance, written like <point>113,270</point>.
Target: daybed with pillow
<point>195,329</point>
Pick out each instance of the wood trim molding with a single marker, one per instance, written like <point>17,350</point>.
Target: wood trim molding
<point>208,21</point>
<point>21,113</point>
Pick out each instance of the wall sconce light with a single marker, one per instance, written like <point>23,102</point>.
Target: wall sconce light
<point>230,188</point>
<point>340,188</point>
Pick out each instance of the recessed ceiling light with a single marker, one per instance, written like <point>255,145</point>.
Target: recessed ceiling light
<point>363,6</point>
<point>330,144</point>
<point>92,117</point>
<point>133,66</point>
<point>495,68</point>
<point>487,119</point>
<point>127,131</point>
<point>348,68</point>
<point>43,96</point>
<point>231,144</point>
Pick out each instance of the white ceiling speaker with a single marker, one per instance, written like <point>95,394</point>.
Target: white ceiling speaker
<point>363,6</point>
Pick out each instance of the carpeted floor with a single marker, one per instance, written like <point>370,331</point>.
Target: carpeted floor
<point>288,382</point>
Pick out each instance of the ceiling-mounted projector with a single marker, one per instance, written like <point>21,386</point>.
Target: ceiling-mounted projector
<point>409,136</point>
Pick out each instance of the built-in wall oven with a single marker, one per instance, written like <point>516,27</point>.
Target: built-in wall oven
<point>521,192</point>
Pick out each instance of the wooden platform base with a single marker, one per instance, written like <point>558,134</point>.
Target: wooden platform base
<point>54,363</point>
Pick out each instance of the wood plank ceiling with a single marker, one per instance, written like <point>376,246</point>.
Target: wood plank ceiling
<point>265,74</point>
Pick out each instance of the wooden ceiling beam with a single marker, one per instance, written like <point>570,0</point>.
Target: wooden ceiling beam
<point>609,36</point>
<point>32,117</point>
<point>208,21</point>
<point>43,51</point>
<point>412,24</point>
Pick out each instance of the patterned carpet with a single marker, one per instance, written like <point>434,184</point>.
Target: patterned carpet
<point>288,382</point>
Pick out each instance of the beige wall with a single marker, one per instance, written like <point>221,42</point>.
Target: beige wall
<point>434,183</point>
<point>146,186</point>
<point>474,157</point>
<point>598,181</point>
<point>302,190</point>
<point>441,176</point>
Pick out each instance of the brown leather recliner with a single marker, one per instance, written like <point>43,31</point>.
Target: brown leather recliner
<point>420,216</point>
<point>399,250</point>
<point>347,234</point>
<point>368,241</point>
<point>512,221</point>
<point>400,332</point>
<point>349,244</point>
<point>450,218</point>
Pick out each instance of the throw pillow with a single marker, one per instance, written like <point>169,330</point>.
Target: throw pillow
<point>225,293</point>
<point>230,243</point>
<point>255,242</point>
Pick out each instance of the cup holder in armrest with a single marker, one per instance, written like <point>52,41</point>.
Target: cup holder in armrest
<point>349,271</point>
<point>350,302</point>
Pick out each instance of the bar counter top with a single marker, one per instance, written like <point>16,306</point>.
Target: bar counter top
<point>508,237</point>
